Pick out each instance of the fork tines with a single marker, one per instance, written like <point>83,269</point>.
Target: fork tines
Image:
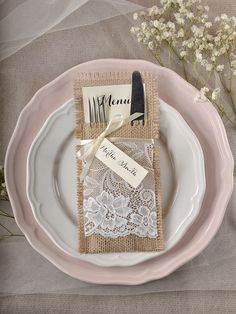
<point>97,112</point>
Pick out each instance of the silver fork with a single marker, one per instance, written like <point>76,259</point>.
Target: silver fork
<point>97,112</point>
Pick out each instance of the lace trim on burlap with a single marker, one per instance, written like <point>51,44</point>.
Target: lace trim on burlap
<point>112,215</point>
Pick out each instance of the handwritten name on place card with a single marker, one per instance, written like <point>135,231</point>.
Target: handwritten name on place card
<point>120,163</point>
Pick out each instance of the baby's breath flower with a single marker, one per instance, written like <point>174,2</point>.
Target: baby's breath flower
<point>154,11</point>
<point>156,23</point>
<point>161,26</point>
<point>204,90</point>
<point>198,56</point>
<point>224,16</point>
<point>190,15</point>
<point>209,67</point>
<point>133,30</point>
<point>135,16</point>
<point>165,35</point>
<point>220,68</point>
<point>139,38</point>
<point>205,16</point>
<point>213,58</point>
<point>183,53</point>
<point>148,35</point>
<point>194,28</point>
<point>170,25</point>
<point>153,31</point>
<point>180,33</point>
<point>208,24</point>
<point>180,21</point>
<point>184,26</point>
<point>144,26</point>
<point>151,45</point>
<point>215,93</point>
<point>142,13</point>
<point>216,53</point>
<point>204,63</point>
<point>3,193</point>
<point>233,64</point>
<point>190,45</point>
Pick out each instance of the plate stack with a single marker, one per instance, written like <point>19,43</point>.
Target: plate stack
<point>196,178</point>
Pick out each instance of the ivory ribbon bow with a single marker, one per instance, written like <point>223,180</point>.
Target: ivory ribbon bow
<point>90,147</point>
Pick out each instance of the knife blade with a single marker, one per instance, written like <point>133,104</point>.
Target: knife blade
<point>137,95</point>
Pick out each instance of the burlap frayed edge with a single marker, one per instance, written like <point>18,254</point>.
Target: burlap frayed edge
<point>97,244</point>
<point>92,130</point>
<point>132,243</point>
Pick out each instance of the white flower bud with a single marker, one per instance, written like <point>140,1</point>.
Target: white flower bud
<point>183,53</point>
<point>215,93</point>
<point>142,13</point>
<point>135,16</point>
<point>233,64</point>
<point>190,15</point>
<point>220,68</point>
<point>208,24</point>
<point>180,33</point>
<point>133,30</point>
<point>190,45</point>
<point>171,25</point>
<point>213,58</point>
<point>209,67</point>
<point>204,90</point>
<point>224,16</point>
<point>144,26</point>
<point>151,45</point>
<point>3,193</point>
<point>156,23</point>
<point>198,56</point>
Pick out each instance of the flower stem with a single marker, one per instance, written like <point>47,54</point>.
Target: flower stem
<point>223,112</point>
<point>3,213</point>
<point>10,235</point>
<point>4,227</point>
<point>228,90</point>
<point>181,60</point>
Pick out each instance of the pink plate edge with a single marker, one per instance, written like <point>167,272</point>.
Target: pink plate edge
<point>222,202</point>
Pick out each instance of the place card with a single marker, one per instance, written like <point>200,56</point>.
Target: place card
<point>119,162</point>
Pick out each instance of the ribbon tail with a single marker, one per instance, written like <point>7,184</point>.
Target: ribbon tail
<point>87,154</point>
<point>85,169</point>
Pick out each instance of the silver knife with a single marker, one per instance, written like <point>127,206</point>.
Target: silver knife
<point>137,95</point>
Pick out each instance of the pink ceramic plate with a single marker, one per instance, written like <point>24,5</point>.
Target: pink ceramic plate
<point>204,121</point>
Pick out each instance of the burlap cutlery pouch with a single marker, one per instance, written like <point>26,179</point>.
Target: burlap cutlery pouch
<point>113,216</point>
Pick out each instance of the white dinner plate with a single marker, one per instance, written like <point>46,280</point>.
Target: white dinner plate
<point>51,183</point>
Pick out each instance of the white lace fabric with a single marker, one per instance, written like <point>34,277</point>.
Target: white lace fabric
<point>112,207</point>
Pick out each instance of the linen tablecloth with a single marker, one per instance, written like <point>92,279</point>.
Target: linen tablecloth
<point>23,272</point>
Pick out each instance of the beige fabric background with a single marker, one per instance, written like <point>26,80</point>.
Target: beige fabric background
<point>21,75</point>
